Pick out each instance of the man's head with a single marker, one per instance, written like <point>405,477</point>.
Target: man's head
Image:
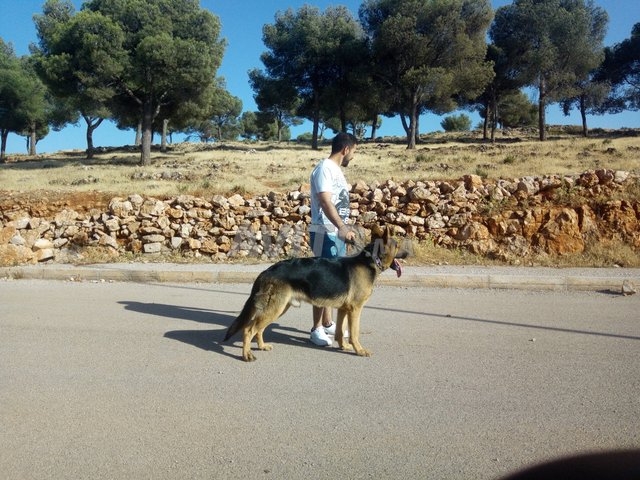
<point>344,144</point>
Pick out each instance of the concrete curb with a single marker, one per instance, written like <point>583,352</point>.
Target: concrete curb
<point>126,275</point>
<point>514,282</point>
<point>491,278</point>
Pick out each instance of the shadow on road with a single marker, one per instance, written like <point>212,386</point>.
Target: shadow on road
<point>212,340</point>
<point>200,315</point>
<point>509,324</point>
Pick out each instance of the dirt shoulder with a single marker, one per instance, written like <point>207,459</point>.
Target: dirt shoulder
<point>47,203</point>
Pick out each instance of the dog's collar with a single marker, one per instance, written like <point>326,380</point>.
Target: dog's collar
<point>376,261</point>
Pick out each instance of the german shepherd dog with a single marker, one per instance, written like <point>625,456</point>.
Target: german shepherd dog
<point>345,283</point>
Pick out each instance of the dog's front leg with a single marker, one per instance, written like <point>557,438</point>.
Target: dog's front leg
<point>354,332</point>
<point>340,338</point>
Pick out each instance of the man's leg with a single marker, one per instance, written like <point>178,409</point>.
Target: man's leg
<point>322,317</point>
<point>323,247</point>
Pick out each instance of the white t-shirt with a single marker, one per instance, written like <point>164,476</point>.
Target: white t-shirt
<point>328,177</point>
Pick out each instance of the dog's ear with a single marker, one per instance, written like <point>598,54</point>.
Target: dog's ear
<point>388,234</point>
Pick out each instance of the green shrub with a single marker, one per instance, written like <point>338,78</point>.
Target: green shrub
<point>305,137</point>
<point>456,123</point>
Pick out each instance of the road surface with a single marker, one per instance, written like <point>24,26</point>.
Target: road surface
<point>131,380</point>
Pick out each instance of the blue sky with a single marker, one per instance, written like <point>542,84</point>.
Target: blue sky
<point>242,22</point>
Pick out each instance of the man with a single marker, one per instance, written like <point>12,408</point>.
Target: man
<point>329,215</point>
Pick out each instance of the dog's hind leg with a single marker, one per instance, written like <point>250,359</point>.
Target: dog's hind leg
<point>277,306</point>
<point>247,335</point>
<point>260,340</point>
<point>254,330</point>
<point>257,324</point>
<point>273,303</point>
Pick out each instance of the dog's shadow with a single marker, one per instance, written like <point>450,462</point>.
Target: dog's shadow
<point>213,340</point>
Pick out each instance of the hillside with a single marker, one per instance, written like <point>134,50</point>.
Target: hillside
<point>479,200</point>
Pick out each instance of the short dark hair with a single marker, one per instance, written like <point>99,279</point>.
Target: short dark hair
<point>341,141</point>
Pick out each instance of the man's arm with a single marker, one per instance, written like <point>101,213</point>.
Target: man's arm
<point>329,209</point>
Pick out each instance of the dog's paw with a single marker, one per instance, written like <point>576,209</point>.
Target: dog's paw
<point>363,352</point>
<point>267,347</point>
<point>346,347</point>
<point>249,357</point>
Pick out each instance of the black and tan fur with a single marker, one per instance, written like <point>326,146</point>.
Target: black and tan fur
<point>344,283</point>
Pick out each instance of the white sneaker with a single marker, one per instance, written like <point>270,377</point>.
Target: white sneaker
<point>331,330</point>
<point>319,337</point>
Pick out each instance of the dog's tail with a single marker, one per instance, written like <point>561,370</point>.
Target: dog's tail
<point>246,315</point>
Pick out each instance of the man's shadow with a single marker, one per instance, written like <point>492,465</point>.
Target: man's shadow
<point>213,340</point>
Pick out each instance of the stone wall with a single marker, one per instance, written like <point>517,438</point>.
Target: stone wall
<point>506,219</point>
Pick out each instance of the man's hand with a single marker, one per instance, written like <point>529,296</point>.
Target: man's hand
<point>346,233</point>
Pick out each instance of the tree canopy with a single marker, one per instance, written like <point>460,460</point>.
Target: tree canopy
<point>553,44</point>
<point>314,52</point>
<point>621,69</point>
<point>25,106</point>
<point>72,57</point>
<point>276,99</point>
<point>429,52</point>
<point>152,65</point>
<point>149,54</point>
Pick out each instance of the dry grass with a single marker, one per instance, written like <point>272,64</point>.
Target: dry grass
<point>256,168</point>
<point>426,253</point>
<point>604,253</point>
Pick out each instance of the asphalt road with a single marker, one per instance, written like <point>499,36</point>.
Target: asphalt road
<point>127,380</point>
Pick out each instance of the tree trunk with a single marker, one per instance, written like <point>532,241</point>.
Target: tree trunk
<point>542,109</point>
<point>314,134</point>
<point>405,125</point>
<point>411,142</point>
<point>374,127</point>
<point>494,123</point>
<point>494,119</point>
<point>3,145</point>
<point>163,140</point>
<point>90,129</point>
<point>316,121</point>
<point>485,124</point>
<point>321,129</point>
<point>138,140</point>
<point>147,132</point>
<point>413,122</point>
<point>583,113</point>
<point>33,140</point>
<point>417,129</point>
<point>89,140</point>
